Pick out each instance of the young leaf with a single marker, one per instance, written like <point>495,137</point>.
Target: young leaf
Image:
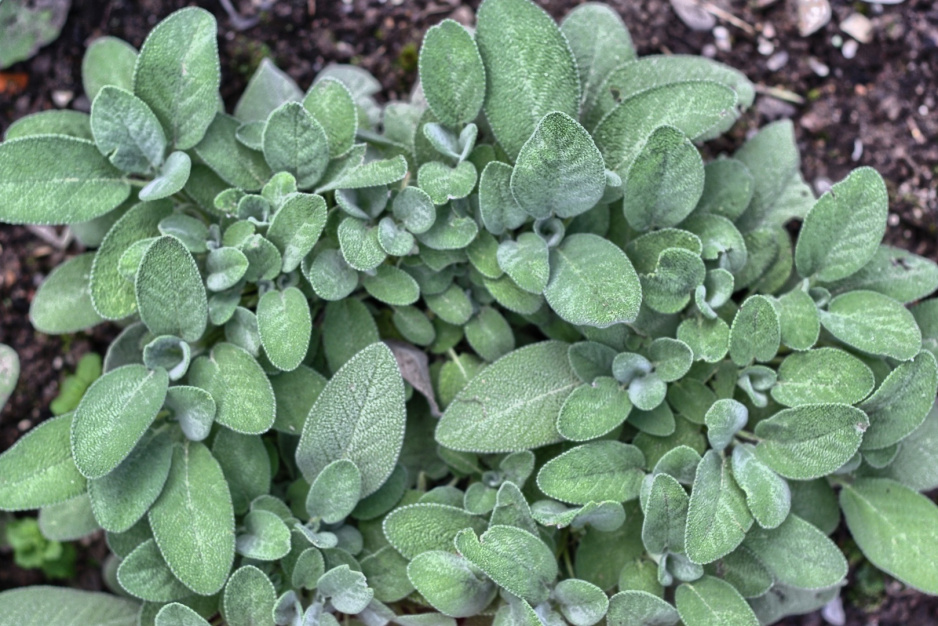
<point>332,105</point>
<point>126,131</point>
<point>450,584</point>
<point>798,554</point>
<point>239,387</point>
<point>799,320</point>
<point>724,419</point>
<point>329,275</point>
<point>38,469</point>
<point>451,74</point>
<point>36,605</point>
<point>249,597</point>
<point>767,494</point>
<point>358,416</point>
<point>601,470</point>
<point>895,528</point>
<point>708,338</point>
<point>717,516</point>
<point>62,303</point>
<point>423,527</point>
<point>263,536</point>
<point>902,402</point>
<point>107,61</point>
<point>640,608</point>
<point>810,440</point>
<point>177,614</point>
<point>665,516</point>
<point>169,291</point>
<point>113,415</point>
<point>581,602</point>
<point>592,282</point>
<point>268,88</point>
<point>515,559</point>
<point>172,178</point>
<point>842,231</point>
<point>285,326</point>
<point>559,170</point>
<point>712,602</point>
<point>593,409</point>
<point>515,406</point>
<point>335,491</point>
<point>295,142</point>
<point>755,334</point>
<point>346,589</point>
<point>232,161</point>
<point>873,323</point>
<point>444,183</point>
<point>53,179</point>
<point>525,261</point>
<point>177,75</point>
<point>822,375</point>
<point>497,204</point>
<point>145,575</point>
<point>193,520</point>
<point>525,81</point>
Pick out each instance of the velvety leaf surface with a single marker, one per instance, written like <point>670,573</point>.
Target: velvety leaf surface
<point>41,605</point>
<point>452,74</point>
<point>62,303</point>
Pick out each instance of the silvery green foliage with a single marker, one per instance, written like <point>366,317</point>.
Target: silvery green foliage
<point>512,350</point>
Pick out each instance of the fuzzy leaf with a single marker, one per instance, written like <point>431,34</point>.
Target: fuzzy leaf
<point>717,516</point>
<point>359,243</point>
<point>285,326</point>
<point>107,61</point>
<point>249,598</point>
<point>873,323</point>
<point>515,559</point>
<point>893,272</point>
<point>423,527</point>
<point>444,183</point>
<point>127,131</point>
<point>145,575</point>
<point>842,231</point>
<point>335,491</point>
<point>172,178</point>
<point>268,88</point>
<point>767,494</point>
<point>391,285</point>
<point>559,170</point>
<point>514,406</point>
<point>450,584</point>
<point>53,179</point>
<point>170,292</point>
<point>332,105</point>
<point>708,338</point>
<point>237,383</point>
<point>497,204</point>
<point>665,516</point>
<point>601,470</point>
<point>37,605</point>
<point>62,303</point>
<point>177,75</point>
<point>177,614</point>
<point>712,602</point>
<point>728,186</point>
<point>193,521</point>
<point>451,74</point>
<point>724,419</point>
<point>593,409</point>
<point>490,335</point>
<point>262,536</point>
<point>902,402</point>
<point>414,208</point>
<point>232,161</point>
<point>530,69</point>
<point>799,320</point>
<point>525,261</point>
<point>810,440</point>
<point>755,334</point>
<point>295,142</point>
<point>113,415</point>
<point>581,602</point>
<point>640,608</point>
<point>822,375</point>
<point>798,554</point>
<point>346,589</point>
<point>330,276</point>
<point>52,122</point>
<point>358,416</point>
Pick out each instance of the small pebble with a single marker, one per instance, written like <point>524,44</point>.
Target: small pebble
<point>765,47</point>
<point>850,48</point>
<point>857,149</point>
<point>893,219</point>
<point>709,50</point>
<point>24,425</point>
<point>833,612</point>
<point>818,67</point>
<point>777,61</point>
<point>859,27</point>
<point>822,185</point>
<point>721,36</point>
<point>813,15</point>
<point>837,41</point>
<point>768,30</point>
<point>61,97</point>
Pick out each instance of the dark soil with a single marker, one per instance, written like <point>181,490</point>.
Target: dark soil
<point>875,109</point>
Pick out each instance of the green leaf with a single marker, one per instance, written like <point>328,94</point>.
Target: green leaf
<point>590,359</point>
<point>52,122</point>
<point>121,498</point>
<point>902,402</point>
<point>36,605</point>
<point>296,228</point>
<point>107,61</point>
<point>798,554</point>
<point>515,406</point>
<point>127,131</point>
<point>346,589</point>
<point>371,174</point>
<point>285,326</point>
<point>708,338</point>
<point>330,276</point>
<point>756,333</point>
<point>172,178</point>
<point>176,614</point>
<point>895,527</point>
<point>665,181</point>
<point>530,69</point>
<point>728,187</point>
<point>358,331</point>
<point>235,163</point>
<point>767,494</point>
<point>335,491</point>
<point>444,183</point>
<point>665,516</point>
<point>177,75</point>
<point>497,204</point>
<point>246,464</point>
<point>450,232</point>
<point>332,105</point>
<point>62,303</point>
<point>391,285</point>
<point>490,335</point>
<point>810,440</point>
<point>593,409</point>
<point>799,320</point>
<point>170,292</point>
<point>671,358</point>
<point>893,272</point>
<point>268,88</point>
<point>38,469</point>
<point>525,261</point>
<point>640,608</point>
<point>414,208</point>
<point>249,598</point>
<point>822,375</point>
<point>596,471</point>
<point>451,74</point>
<point>450,584</point>
<point>873,323</point>
<point>724,419</point>
<point>113,415</point>
<point>386,571</point>
<point>592,282</point>
<point>237,383</point>
<point>193,520</point>
<point>145,575</point>
<point>516,560</point>
<point>914,465</point>
<point>842,231</point>
<point>358,416</point>
<point>677,274</point>
<point>262,536</point>
<point>581,602</point>
<point>360,246</point>
<point>712,602</point>
<point>418,528</point>
<point>717,516</point>
<point>53,179</point>
<point>295,142</point>
<point>559,170</point>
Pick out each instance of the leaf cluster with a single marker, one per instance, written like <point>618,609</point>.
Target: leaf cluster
<point>509,349</point>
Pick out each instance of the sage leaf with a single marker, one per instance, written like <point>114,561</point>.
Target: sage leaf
<point>263,536</point>
<point>193,520</point>
<point>515,559</point>
<point>267,89</point>
<point>358,416</point>
<point>36,605</point>
<point>145,575</point>
<point>767,494</point>
<point>249,597</point>
<point>581,602</point>
<point>525,261</point>
<point>53,179</point>
<point>799,321</point>
<point>724,419</point>
<point>593,409</point>
<point>708,338</point>
<point>592,282</point>
<point>414,208</point>
<point>178,74</point>
<point>524,81</point>
<point>444,183</point>
<point>62,303</point>
<point>225,267</point>
<point>596,471</point>
<point>330,276</point>
<point>514,406</point>
<point>332,105</point>
<point>902,402</point>
<point>559,170</point>
<point>38,470</point>
<point>893,272</point>
<point>232,161</point>
<point>798,554</point>
<point>497,204</point>
<point>756,333</point>
<point>640,608</point>
<point>665,516</point>
<point>346,589</point>
<point>335,491</point>
<point>450,584</point>
<point>873,323</point>
<point>717,515</point>
<point>295,142</point>
<point>712,602</point>
<point>169,290</point>
<point>490,334</point>
<point>822,375</point>
<point>810,440</point>
<point>452,74</point>
<point>107,61</point>
<point>359,331</point>
<point>69,123</point>
<point>391,285</point>
<point>127,131</point>
<point>177,614</point>
<point>728,188</point>
<point>246,464</point>
<point>285,326</point>
<point>113,415</point>
<point>842,231</point>
<point>418,528</point>
<point>239,387</point>
<point>172,178</point>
